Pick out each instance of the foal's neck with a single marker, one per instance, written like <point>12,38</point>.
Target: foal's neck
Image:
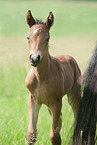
<point>44,67</point>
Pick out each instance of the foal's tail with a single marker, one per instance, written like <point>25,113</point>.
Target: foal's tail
<point>85,129</point>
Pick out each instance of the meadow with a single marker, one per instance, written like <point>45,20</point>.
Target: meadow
<point>74,33</point>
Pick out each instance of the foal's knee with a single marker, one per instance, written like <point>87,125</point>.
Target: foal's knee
<point>55,138</point>
<point>31,138</point>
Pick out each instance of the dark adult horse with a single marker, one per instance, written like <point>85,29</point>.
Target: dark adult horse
<point>85,129</point>
<point>49,79</point>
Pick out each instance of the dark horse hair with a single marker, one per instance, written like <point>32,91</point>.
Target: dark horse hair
<point>85,128</point>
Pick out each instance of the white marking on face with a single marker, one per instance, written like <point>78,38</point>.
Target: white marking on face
<point>35,31</point>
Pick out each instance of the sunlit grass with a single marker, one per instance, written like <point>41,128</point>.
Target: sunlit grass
<point>13,94</point>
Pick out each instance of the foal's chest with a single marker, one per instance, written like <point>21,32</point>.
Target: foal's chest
<point>35,86</point>
<point>43,91</point>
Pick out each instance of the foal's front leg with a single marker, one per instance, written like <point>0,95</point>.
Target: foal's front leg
<point>56,124</point>
<point>33,108</point>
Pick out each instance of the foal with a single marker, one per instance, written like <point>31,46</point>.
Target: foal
<point>49,79</point>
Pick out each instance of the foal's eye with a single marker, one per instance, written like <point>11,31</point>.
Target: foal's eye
<point>28,39</point>
<point>47,40</point>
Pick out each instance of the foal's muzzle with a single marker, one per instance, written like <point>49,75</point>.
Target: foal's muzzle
<point>35,59</point>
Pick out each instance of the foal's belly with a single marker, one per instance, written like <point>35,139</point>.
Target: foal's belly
<point>43,96</point>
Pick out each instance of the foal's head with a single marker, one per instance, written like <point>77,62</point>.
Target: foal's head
<point>38,37</point>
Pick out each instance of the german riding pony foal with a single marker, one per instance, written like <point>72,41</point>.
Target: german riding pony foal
<point>49,79</point>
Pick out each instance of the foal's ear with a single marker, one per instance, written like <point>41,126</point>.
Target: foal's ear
<point>50,20</point>
<point>29,19</point>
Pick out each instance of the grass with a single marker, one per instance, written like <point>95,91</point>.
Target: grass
<point>71,18</point>
<point>73,33</point>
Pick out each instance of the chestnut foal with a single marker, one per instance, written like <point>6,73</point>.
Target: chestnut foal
<point>49,79</point>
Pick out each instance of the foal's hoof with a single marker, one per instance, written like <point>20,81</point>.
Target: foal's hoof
<point>55,139</point>
<point>31,138</point>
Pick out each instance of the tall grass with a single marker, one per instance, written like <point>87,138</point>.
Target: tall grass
<point>74,33</point>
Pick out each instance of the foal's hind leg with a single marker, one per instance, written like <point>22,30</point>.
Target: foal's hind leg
<point>74,97</point>
<point>33,108</point>
<point>56,124</point>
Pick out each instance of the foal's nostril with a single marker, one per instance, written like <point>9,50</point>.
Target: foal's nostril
<point>38,57</point>
<point>30,56</point>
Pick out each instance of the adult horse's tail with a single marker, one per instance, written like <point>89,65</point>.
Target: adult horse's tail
<point>85,129</point>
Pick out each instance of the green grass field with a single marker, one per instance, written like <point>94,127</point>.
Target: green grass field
<point>74,33</point>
